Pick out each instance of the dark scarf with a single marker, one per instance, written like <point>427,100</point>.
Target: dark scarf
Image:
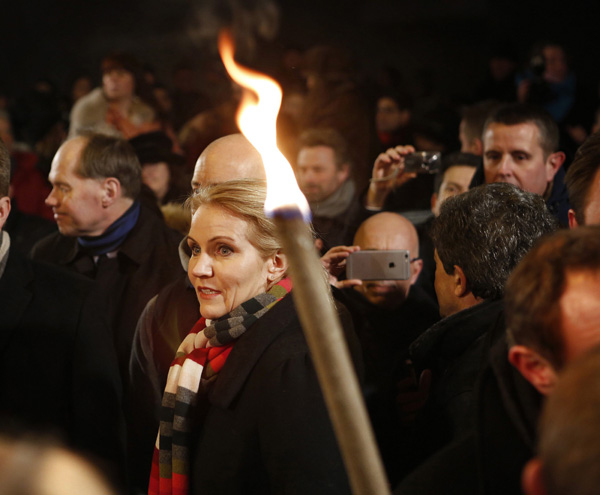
<point>197,362</point>
<point>114,236</point>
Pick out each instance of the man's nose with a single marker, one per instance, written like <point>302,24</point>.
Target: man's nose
<point>51,200</point>
<point>506,166</point>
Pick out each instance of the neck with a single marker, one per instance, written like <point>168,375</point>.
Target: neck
<point>113,213</point>
<point>121,105</point>
<point>114,235</point>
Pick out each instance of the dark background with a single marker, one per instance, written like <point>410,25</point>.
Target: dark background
<point>445,42</point>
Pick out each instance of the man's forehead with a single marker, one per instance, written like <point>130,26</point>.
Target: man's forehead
<point>524,136</point>
<point>382,239</point>
<point>214,171</point>
<point>67,157</point>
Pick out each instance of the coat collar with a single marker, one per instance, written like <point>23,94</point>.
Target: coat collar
<point>134,250</point>
<point>453,334</point>
<point>248,350</point>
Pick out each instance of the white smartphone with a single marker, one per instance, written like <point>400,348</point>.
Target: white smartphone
<point>393,264</point>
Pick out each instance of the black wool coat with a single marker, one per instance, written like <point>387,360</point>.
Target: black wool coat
<point>263,426</point>
<point>58,369</point>
<point>147,260</point>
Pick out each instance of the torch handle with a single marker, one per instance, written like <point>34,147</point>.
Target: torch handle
<point>329,351</point>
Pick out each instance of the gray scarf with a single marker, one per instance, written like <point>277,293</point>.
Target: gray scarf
<point>336,204</point>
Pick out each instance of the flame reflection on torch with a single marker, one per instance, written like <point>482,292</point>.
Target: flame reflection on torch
<point>257,121</point>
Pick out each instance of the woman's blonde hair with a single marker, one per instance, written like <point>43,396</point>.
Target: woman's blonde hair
<point>245,199</point>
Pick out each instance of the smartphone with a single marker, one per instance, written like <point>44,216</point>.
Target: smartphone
<point>423,162</point>
<point>393,264</point>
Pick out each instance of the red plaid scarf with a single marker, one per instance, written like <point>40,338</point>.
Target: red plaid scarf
<point>199,359</point>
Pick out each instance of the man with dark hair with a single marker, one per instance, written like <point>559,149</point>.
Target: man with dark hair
<point>104,231</point>
<point>58,369</point>
<point>472,123</point>
<point>479,237</point>
<point>520,146</point>
<point>583,183</point>
<point>323,171</point>
<point>552,318</point>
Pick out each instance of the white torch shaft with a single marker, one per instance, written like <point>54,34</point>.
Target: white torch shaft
<point>332,361</point>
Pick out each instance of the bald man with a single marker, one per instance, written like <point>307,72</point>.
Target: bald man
<point>383,232</point>
<point>170,315</point>
<point>388,315</point>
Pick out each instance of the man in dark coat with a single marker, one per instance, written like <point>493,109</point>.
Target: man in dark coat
<point>58,367</point>
<point>479,237</point>
<point>388,316</point>
<point>105,233</point>
<point>553,317</point>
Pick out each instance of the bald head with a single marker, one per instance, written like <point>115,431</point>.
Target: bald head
<point>387,231</point>
<point>228,158</point>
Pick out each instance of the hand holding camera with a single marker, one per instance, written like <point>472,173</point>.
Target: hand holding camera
<point>397,166</point>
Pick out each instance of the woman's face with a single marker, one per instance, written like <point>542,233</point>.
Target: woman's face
<point>118,84</point>
<point>157,177</point>
<point>225,268</point>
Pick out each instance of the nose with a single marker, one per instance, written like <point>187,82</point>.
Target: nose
<point>505,167</point>
<point>202,266</point>
<point>51,200</point>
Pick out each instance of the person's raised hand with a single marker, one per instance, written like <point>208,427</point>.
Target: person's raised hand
<point>334,261</point>
<point>388,173</point>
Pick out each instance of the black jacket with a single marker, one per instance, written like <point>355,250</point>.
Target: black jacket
<point>490,458</point>
<point>456,349</point>
<point>58,369</point>
<point>264,427</point>
<point>146,261</point>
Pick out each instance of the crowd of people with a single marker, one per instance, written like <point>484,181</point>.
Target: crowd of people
<point>147,325</point>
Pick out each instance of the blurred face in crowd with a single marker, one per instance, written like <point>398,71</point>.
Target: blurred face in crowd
<point>317,173</point>
<point>225,268</point>
<point>556,64</point>
<point>157,177</point>
<point>118,84</point>
<point>386,231</point>
<point>81,87</point>
<point>389,117</point>
<point>456,181</point>
<point>77,202</point>
<point>513,154</point>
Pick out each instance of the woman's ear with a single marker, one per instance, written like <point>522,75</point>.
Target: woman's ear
<point>277,266</point>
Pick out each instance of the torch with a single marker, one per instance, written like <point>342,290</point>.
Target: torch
<point>286,204</point>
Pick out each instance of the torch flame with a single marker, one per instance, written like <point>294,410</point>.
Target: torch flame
<point>257,121</point>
